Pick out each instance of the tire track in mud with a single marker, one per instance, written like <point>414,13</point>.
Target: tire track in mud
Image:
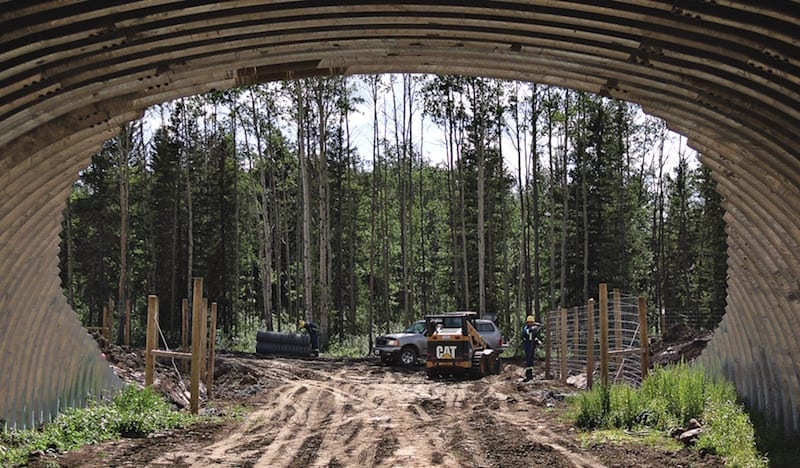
<point>325,413</point>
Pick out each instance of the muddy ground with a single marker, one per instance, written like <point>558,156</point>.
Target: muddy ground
<point>340,413</point>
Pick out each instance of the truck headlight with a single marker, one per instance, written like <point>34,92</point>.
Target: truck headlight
<point>393,342</point>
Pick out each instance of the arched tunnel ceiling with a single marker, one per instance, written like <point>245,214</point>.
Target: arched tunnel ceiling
<point>726,74</point>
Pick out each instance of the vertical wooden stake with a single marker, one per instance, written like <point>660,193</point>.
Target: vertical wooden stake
<point>563,351</point>
<point>204,337</point>
<point>548,344</point>
<point>212,338</point>
<point>604,333</point>
<point>127,337</point>
<point>198,315</point>
<point>150,341</point>
<point>644,339</point>
<point>589,343</point>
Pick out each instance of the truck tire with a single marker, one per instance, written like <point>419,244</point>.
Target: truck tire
<point>408,356</point>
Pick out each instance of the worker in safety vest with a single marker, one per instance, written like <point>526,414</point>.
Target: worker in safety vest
<point>313,334</point>
<point>530,338</point>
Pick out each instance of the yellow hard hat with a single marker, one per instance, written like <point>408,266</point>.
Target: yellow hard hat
<point>301,324</point>
<point>530,319</point>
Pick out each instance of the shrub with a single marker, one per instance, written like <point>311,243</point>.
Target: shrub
<point>350,347</point>
<point>133,412</point>
<point>668,398</point>
<point>683,388</point>
<point>728,432</point>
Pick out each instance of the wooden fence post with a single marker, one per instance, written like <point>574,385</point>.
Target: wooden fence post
<point>563,351</point>
<point>589,343</point>
<point>212,337</point>
<point>198,315</point>
<point>204,337</point>
<point>548,344</point>
<point>604,333</point>
<point>644,339</point>
<point>151,339</point>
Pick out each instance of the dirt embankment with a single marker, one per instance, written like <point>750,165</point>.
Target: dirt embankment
<point>326,412</point>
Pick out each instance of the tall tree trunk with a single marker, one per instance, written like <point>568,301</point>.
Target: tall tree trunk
<point>189,209</point>
<point>324,217</point>
<point>535,190</point>
<point>552,210</point>
<point>584,200</point>
<point>236,210</point>
<point>525,267</point>
<point>124,149</point>
<point>265,250</point>
<point>565,212</point>
<point>463,218</point>
<point>451,199</point>
<point>477,101</point>
<point>373,83</point>
<point>352,171</point>
<point>343,209</point>
<point>400,113</point>
<point>658,230</point>
<point>308,290</point>
<point>622,165</point>
<point>422,218</point>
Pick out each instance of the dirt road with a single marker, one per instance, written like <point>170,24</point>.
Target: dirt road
<point>358,413</point>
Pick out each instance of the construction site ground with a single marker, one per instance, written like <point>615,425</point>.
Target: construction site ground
<point>299,412</point>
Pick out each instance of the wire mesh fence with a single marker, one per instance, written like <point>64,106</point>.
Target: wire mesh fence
<point>604,341</point>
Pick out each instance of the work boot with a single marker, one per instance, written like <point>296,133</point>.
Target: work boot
<point>528,375</point>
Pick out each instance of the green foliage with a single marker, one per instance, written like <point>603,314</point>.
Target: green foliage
<point>242,340</point>
<point>591,409</point>
<point>142,412</point>
<point>669,397</point>
<point>680,393</point>
<point>133,412</point>
<point>728,432</point>
<point>350,347</point>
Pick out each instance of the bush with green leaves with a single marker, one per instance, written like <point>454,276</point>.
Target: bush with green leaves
<point>351,347</point>
<point>133,412</point>
<point>669,397</point>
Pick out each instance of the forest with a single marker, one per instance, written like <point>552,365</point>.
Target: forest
<point>363,203</point>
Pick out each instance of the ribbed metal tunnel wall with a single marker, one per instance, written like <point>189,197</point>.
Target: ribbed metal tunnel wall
<point>726,74</point>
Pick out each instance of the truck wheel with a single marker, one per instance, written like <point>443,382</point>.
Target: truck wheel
<point>408,356</point>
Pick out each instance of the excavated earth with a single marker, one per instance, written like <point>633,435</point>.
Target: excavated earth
<point>291,412</point>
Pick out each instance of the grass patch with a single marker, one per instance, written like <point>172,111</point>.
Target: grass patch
<point>646,436</point>
<point>132,413</point>
<point>668,398</point>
